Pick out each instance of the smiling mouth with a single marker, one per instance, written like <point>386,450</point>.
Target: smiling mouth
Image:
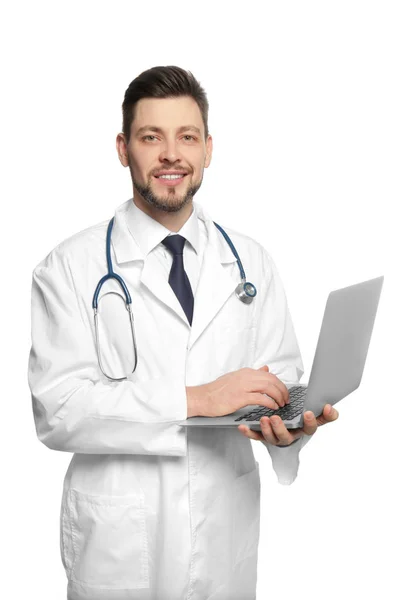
<point>180,176</point>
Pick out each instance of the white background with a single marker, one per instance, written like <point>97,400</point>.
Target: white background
<point>304,117</point>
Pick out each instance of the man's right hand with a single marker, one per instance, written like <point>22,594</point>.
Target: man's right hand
<point>235,390</point>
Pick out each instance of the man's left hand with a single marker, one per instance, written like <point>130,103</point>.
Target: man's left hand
<point>275,432</point>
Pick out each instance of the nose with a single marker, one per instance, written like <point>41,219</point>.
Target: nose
<point>169,150</point>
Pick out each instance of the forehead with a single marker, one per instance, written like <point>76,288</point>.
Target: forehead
<point>167,113</point>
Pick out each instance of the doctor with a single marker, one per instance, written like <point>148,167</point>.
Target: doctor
<point>151,510</point>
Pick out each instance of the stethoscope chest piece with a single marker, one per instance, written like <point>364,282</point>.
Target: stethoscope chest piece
<point>246,292</point>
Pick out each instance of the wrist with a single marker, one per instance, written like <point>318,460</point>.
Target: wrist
<point>196,400</point>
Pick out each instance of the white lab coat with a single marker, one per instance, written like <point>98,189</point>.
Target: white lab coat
<point>151,510</point>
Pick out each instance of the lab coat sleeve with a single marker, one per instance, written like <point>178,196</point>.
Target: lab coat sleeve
<point>75,408</point>
<point>276,346</point>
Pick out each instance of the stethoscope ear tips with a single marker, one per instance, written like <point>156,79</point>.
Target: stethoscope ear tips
<point>246,292</point>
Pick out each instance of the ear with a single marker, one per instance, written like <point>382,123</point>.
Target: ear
<point>209,148</point>
<point>121,148</point>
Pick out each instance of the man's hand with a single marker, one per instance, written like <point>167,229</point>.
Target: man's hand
<point>275,432</point>
<point>235,390</point>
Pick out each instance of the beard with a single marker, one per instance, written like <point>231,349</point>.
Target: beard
<point>171,200</point>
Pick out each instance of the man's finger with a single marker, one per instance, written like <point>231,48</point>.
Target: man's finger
<point>276,393</point>
<point>328,415</point>
<point>253,435</point>
<point>280,389</point>
<point>280,431</point>
<point>309,423</point>
<point>280,385</point>
<point>267,431</point>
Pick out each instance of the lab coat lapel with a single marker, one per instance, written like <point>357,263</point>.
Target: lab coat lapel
<point>215,284</point>
<point>126,250</point>
<point>153,277</point>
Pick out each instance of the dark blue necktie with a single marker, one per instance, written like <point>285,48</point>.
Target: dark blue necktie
<point>178,279</point>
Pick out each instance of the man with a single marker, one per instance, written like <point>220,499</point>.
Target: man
<point>150,510</point>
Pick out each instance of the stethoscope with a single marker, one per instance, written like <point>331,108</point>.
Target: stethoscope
<point>245,292</point>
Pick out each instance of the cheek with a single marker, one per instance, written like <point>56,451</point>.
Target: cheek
<point>143,163</point>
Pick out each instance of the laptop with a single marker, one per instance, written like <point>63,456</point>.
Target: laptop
<point>337,367</point>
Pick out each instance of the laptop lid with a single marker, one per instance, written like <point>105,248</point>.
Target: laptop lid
<point>343,343</point>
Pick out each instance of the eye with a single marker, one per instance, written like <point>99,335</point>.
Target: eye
<point>153,136</point>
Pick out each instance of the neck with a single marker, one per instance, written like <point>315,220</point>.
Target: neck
<point>173,221</point>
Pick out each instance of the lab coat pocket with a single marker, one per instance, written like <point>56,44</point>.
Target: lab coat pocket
<point>246,515</point>
<point>104,540</point>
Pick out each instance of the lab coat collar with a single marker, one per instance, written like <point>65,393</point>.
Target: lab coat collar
<point>215,284</point>
<point>127,242</point>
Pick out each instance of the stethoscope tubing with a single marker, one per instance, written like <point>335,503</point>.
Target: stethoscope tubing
<point>245,291</point>
<point>112,275</point>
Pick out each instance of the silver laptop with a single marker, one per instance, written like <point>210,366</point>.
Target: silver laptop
<point>337,366</point>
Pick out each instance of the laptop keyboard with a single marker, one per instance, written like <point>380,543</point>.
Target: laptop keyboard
<point>287,412</point>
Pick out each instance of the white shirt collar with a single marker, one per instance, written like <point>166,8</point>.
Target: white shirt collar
<point>127,249</point>
<point>148,233</point>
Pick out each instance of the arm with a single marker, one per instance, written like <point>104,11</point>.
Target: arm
<point>195,400</point>
<point>76,409</point>
<point>276,345</point>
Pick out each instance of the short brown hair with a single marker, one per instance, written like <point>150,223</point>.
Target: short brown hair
<point>162,82</point>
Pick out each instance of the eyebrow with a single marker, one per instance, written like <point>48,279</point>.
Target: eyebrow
<point>159,129</point>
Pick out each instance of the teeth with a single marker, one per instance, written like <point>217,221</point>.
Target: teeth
<point>170,176</point>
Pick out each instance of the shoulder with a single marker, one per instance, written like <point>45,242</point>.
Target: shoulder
<point>248,245</point>
<point>75,248</point>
